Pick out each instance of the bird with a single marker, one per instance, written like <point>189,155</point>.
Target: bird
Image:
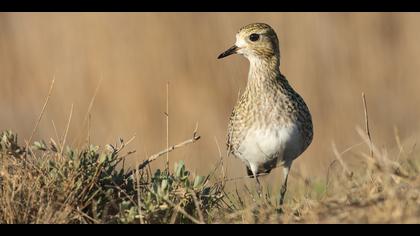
<point>270,125</point>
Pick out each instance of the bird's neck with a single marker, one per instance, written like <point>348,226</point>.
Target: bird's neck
<point>263,70</point>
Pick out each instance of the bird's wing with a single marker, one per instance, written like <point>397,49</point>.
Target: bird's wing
<point>304,116</point>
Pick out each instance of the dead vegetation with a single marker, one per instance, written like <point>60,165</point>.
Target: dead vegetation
<point>44,184</point>
<point>66,179</point>
<point>41,184</point>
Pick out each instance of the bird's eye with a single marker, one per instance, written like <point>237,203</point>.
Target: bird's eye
<point>254,37</point>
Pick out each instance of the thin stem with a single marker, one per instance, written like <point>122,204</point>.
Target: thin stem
<point>137,177</point>
<point>340,160</point>
<point>167,126</point>
<point>66,131</point>
<point>42,112</point>
<point>88,112</point>
<point>367,124</point>
<point>169,149</point>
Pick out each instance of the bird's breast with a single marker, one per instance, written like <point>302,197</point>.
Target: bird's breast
<point>263,144</point>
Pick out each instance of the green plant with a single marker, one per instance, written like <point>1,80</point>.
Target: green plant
<point>92,187</point>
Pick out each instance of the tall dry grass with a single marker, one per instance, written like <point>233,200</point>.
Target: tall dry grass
<point>330,58</point>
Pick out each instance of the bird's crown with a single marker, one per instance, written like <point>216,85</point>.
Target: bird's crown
<point>258,39</point>
<point>261,28</point>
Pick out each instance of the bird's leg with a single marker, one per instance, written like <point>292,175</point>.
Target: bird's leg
<point>254,170</point>
<point>283,189</point>
<point>258,185</point>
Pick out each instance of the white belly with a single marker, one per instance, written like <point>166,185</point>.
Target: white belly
<point>262,145</point>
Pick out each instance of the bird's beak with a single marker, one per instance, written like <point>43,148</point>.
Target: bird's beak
<point>230,51</point>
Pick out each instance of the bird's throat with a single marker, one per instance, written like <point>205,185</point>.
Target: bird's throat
<point>263,69</point>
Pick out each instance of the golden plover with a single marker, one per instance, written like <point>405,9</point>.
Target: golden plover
<point>270,125</point>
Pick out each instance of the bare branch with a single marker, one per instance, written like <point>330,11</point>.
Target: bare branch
<point>163,152</point>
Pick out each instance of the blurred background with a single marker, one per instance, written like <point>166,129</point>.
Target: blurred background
<point>329,58</point>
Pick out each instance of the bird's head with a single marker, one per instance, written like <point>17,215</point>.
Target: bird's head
<point>255,41</point>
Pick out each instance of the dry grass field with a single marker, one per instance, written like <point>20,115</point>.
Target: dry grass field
<point>111,72</point>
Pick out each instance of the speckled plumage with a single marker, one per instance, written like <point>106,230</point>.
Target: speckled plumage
<point>267,103</point>
<point>270,125</point>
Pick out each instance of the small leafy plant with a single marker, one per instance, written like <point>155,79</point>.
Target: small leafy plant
<point>45,184</point>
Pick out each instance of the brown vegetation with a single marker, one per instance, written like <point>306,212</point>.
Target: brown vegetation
<point>111,71</point>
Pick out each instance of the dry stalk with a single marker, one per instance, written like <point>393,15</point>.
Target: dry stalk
<point>367,129</point>
<point>139,204</point>
<point>197,206</point>
<point>88,112</point>
<point>42,113</point>
<point>167,126</point>
<point>66,131</point>
<point>335,160</point>
<point>348,173</point>
<point>163,152</point>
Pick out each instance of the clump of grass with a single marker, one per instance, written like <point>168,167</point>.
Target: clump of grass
<point>42,184</point>
<point>376,188</point>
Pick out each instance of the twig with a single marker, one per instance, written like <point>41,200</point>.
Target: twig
<point>155,156</point>
<point>66,131</point>
<point>340,160</point>
<point>379,160</point>
<point>219,164</point>
<point>335,160</point>
<point>327,182</point>
<point>139,205</point>
<point>367,124</point>
<point>56,136</point>
<point>88,128</point>
<point>167,125</point>
<point>399,144</point>
<point>85,119</point>
<point>117,149</point>
<point>179,209</point>
<point>55,130</point>
<point>87,216</point>
<point>92,100</point>
<point>197,206</point>
<point>42,112</point>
